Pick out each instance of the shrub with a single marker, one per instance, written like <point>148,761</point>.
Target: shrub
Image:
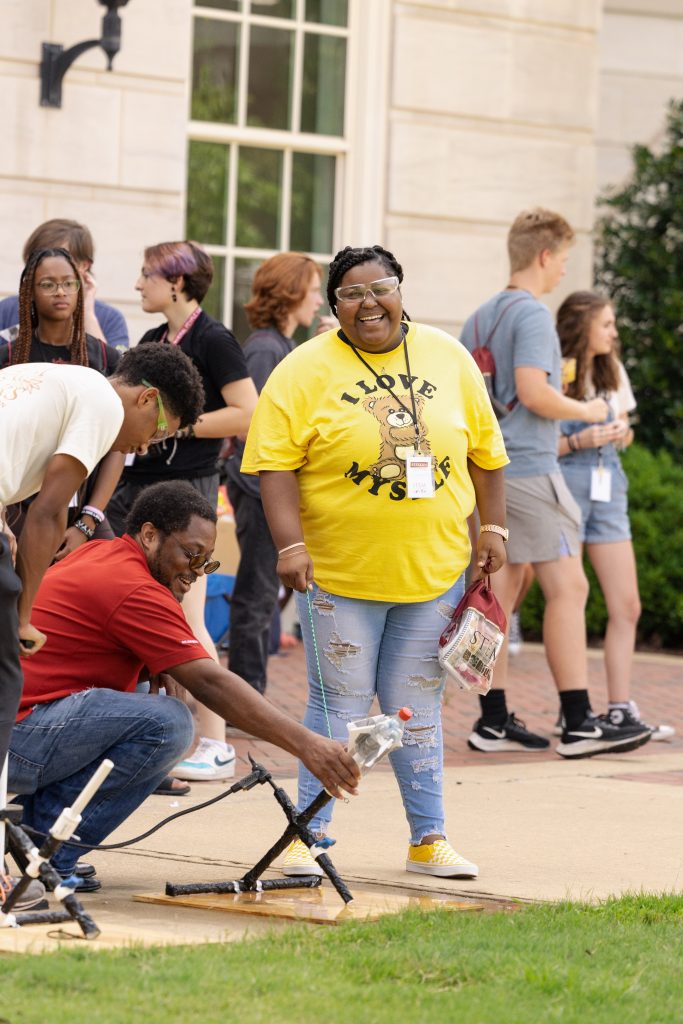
<point>639,264</point>
<point>656,511</point>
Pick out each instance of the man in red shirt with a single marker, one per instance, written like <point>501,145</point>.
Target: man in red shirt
<point>111,612</point>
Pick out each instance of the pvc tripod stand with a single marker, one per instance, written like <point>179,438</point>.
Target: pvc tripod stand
<point>35,863</point>
<point>296,829</point>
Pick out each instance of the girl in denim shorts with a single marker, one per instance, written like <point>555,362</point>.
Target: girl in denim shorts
<point>591,466</point>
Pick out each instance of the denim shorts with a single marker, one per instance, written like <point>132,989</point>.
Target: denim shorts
<point>602,522</point>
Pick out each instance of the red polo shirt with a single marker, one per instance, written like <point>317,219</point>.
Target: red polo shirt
<point>105,618</point>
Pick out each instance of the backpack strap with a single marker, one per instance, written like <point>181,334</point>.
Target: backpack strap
<point>508,307</point>
<point>518,298</point>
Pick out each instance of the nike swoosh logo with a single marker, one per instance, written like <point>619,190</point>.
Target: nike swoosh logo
<point>596,734</point>
<point>219,763</point>
<point>496,732</point>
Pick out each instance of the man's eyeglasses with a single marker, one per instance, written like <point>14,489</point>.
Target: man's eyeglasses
<point>197,562</point>
<point>357,292</point>
<point>69,287</point>
<point>161,433</point>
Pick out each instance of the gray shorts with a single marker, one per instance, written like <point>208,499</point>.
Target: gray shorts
<point>543,519</point>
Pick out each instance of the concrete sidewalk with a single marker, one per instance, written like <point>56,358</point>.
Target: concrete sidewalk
<point>539,827</point>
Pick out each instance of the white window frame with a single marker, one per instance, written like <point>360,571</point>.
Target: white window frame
<point>360,182</point>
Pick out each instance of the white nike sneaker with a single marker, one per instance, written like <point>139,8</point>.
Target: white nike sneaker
<point>210,762</point>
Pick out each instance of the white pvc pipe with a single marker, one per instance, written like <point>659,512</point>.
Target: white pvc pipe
<point>89,790</point>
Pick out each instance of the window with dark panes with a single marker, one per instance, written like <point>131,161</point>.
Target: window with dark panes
<point>266,140</point>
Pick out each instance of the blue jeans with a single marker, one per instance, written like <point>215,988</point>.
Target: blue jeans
<point>56,749</point>
<point>377,648</point>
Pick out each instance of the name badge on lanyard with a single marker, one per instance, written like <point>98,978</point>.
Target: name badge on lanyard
<point>601,483</point>
<point>420,476</point>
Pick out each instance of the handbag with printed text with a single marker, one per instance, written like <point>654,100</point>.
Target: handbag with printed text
<point>469,645</point>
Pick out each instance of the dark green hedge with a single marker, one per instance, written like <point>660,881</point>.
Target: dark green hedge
<point>656,508</point>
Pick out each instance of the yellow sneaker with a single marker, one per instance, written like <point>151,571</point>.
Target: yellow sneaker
<point>439,858</point>
<point>298,860</point>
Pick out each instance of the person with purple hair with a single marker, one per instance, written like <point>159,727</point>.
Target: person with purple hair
<point>174,279</point>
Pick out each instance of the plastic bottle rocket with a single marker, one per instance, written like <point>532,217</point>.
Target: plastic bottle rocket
<point>371,739</point>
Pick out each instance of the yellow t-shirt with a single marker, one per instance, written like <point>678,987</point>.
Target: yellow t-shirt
<point>325,415</point>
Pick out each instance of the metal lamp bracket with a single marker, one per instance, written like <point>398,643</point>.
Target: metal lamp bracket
<point>57,61</point>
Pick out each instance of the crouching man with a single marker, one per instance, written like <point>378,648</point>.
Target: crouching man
<point>110,610</point>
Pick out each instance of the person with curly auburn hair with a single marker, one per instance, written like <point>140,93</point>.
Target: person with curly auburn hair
<point>372,443</point>
<point>174,280</point>
<point>591,466</point>
<point>285,294</point>
<point>56,423</point>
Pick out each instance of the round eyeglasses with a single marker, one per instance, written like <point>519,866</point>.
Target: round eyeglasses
<point>197,562</point>
<point>69,287</point>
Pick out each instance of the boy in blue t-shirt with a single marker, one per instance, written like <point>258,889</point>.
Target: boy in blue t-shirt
<point>542,517</point>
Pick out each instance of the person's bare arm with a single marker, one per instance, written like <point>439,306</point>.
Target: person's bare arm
<point>108,476</point>
<point>534,391</point>
<point>42,534</point>
<point>92,324</point>
<point>280,497</point>
<point>233,420</point>
<point>489,488</point>
<point>232,698</point>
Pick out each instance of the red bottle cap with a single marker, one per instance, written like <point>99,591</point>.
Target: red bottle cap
<point>405,713</point>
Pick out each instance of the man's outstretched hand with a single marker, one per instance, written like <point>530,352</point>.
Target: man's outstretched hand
<point>330,762</point>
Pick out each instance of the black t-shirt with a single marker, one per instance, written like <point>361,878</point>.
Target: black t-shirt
<point>101,356</point>
<point>219,358</point>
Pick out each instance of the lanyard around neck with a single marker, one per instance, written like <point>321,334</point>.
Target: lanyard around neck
<point>184,329</point>
<point>404,332</point>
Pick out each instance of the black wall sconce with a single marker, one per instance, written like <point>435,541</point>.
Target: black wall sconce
<point>57,61</point>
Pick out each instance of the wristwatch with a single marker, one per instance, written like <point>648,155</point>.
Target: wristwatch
<point>494,528</point>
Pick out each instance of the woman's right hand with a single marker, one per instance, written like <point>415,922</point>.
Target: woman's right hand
<point>601,433</point>
<point>595,411</point>
<point>295,570</point>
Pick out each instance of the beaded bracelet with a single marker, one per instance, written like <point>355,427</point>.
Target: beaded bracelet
<point>87,531</point>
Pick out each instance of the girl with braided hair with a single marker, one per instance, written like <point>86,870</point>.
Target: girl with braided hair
<point>372,443</point>
<point>51,325</point>
<point>51,329</point>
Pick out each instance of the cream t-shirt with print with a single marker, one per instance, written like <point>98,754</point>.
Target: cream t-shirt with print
<point>51,409</point>
<point>327,416</point>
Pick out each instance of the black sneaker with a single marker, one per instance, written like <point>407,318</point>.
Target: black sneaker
<point>561,725</point>
<point>599,736</point>
<point>512,735</point>
<point>631,715</point>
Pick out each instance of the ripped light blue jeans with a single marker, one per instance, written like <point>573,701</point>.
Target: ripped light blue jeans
<point>377,648</point>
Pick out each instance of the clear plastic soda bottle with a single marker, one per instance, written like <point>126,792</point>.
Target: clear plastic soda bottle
<point>370,739</point>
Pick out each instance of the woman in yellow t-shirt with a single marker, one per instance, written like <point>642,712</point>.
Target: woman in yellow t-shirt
<point>372,444</point>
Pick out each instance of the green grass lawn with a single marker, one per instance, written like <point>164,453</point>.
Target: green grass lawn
<point>619,963</point>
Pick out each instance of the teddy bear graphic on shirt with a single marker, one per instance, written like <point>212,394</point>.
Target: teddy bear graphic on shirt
<point>397,434</point>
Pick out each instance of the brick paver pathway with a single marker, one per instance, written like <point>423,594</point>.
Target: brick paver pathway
<point>658,688</point>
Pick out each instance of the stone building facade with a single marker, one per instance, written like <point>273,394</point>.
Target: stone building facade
<point>255,125</point>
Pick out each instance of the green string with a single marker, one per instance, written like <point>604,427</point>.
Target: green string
<point>317,661</point>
